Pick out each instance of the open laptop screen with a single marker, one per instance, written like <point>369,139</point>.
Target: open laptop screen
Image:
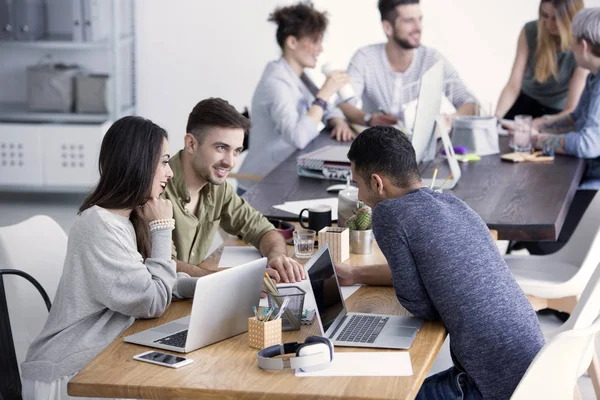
<point>326,289</point>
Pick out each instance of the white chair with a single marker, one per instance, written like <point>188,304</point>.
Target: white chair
<point>38,247</point>
<point>557,280</point>
<point>554,371</point>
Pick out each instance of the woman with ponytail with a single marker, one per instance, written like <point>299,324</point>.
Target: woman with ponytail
<point>118,265</point>
<point>545,80</point>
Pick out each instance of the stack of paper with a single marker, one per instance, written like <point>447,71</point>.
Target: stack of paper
<point>294,207</point>
<point>384,363</point>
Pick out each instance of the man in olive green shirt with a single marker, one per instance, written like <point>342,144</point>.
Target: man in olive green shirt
<point>203,201</point>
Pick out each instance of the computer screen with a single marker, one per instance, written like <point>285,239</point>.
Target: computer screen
<point>326,289</point>
<point>428,108</point>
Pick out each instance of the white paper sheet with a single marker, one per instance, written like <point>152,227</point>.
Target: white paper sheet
<point>237,255</point>
<point>392,363</point>
<point>294,207</point>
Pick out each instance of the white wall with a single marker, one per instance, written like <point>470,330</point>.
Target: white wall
<point>190,49</point>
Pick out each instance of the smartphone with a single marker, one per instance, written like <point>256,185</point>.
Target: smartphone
<point>166,360</point>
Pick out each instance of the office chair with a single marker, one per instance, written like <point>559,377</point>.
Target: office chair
<point>10,379</point>
<point>568,353</point>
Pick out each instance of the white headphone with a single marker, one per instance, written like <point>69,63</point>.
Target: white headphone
<point>314,354</point>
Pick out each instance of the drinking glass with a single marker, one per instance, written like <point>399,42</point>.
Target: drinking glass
<point>304,243</point>
<point>522,138</point>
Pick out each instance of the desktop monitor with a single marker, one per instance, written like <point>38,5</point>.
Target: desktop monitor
<point>428,108</point>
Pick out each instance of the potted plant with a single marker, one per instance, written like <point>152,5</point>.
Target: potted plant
<point>361,235</point>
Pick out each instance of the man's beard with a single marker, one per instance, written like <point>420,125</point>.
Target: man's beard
<point>404,43</point>
<point>207,175</point>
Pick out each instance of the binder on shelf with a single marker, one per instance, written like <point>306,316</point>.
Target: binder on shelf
<point>29,19</point>
<point>329,162</point>
<point>96,20</point>
<point>6,20</point>
<point>64,20</point>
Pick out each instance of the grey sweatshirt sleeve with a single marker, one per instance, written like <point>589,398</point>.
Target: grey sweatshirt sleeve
<point>126,283</point>
<point>409,288</point>
<point>296,129</point>
<point>585,143</point>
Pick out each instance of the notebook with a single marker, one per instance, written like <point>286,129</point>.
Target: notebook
<point>349,328</point>
<point>221,307</point>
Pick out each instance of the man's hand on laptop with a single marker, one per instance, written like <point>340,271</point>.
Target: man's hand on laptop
<point>288,269</point>
<point>345,274</point>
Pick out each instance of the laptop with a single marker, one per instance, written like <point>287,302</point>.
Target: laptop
<point>354,329</point>
<point>221,307</point>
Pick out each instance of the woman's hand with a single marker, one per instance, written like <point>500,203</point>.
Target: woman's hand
<point>157,209</point>
<point>334,82</point>
<point>340,130</point>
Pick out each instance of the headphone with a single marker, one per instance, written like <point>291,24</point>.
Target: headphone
<point>313,355</point>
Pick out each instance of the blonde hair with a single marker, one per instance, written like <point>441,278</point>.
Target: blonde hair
<point>548,45</point>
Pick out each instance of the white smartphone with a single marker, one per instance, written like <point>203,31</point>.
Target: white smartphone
<point>164,359</point>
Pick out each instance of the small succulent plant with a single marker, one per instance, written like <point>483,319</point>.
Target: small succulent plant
<point>361,220</point>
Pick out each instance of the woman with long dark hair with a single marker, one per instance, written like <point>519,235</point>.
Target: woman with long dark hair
<point>545,80</point>
<point>118,265</point>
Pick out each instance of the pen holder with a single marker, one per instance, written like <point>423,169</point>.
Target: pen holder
<point>263,334</point>
<point>339,242</point>
<point>292,316</point>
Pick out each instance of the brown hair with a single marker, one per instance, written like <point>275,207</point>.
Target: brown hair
<point>214,112</point>
<point>300,20</point>
<point>387,8</point>
<point>547,44</point>
<point>129,155</point>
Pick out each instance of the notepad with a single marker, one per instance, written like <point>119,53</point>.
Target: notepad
<point>233,256</point>
<point>294,207</point>
<point>383,363</point>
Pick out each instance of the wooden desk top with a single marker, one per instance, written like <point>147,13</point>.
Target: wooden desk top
<point>228,369</point>
<point>525,201</point>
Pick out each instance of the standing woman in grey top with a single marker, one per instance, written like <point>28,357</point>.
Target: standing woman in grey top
<point>287,106</point>
<point>118,265</point>
<point>545,79</point>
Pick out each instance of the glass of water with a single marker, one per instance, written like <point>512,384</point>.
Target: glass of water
<point>522,138</point>
<point>304,243</point>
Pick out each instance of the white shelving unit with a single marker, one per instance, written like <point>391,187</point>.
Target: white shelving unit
<point>56,151</point>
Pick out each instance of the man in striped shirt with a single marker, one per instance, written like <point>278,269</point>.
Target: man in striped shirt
<point>386,75</point>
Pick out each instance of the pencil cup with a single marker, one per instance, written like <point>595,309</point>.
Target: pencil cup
<point>339,242</point>
<point>292,316</point>
<point>263,334</point>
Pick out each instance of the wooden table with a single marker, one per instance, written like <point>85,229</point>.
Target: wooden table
<point>228,369</point>
<point>524,201</point>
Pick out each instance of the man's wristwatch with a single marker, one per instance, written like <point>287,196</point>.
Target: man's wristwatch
<point>367,118</point>
<point>321,103</point>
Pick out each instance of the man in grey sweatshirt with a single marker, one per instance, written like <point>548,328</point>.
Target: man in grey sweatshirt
<point>444,266</point>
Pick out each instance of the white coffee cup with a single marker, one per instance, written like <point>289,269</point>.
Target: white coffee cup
<point>346,92</point>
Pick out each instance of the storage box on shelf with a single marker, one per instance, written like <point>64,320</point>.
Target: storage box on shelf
<point>50,157</point>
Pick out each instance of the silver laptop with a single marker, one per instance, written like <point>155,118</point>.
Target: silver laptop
<point>221,307</point>
<point>354,329</point>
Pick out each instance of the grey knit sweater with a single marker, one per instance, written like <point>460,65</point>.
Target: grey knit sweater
<point>445,266</point>
<point>105,285</point>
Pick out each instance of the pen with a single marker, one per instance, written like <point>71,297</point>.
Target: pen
<point>283,307</point>
<point>255,312</point>
<point>435,171</point>
<point>446,181</point>
<point>266,319</point>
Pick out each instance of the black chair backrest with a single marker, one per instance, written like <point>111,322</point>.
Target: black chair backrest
<point>10,379</point>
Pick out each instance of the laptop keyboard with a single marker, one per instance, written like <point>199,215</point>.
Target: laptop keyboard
<point>176,340</point>
<point>362,329</point>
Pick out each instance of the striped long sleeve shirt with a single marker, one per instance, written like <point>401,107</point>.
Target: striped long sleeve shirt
<point>380,88</point>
